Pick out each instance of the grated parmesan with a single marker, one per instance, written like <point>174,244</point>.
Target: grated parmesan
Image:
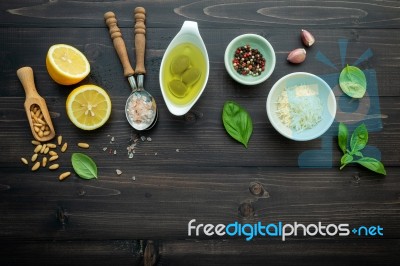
<point>299,107</point>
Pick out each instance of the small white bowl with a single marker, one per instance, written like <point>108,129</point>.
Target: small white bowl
<point>256,42</point>
<point>325,94</point>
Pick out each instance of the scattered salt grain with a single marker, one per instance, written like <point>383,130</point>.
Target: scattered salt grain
<point>105,148</point>
<point>132,145</point>
<point>143,138</point>
<point>149,139</point>
<point>177,150</point>
<point>133,178</point>
<point>115,152</point>
<point>119,172</point>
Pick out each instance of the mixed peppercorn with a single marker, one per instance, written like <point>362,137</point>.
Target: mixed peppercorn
<point>248,61</point>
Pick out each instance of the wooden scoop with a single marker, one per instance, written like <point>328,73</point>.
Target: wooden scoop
<point>35,107</point>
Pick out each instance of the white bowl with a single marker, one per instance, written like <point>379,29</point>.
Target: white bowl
<point>325,94</point>
<point>189,33</point>
<point>256,42</point>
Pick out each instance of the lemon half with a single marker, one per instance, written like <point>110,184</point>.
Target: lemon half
<point>88,107</point>
<point>66,64</point>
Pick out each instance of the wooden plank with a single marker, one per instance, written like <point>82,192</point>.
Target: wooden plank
<point>212,14</point>
<point>120,252</point>
<point>161,201</point>
<point>211,252</point>
<point>300,252</point>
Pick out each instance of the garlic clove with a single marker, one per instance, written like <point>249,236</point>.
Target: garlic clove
<point>307,38</point>
<point>297,56</point>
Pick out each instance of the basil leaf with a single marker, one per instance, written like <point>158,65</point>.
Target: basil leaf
<point>372,164</point>
<point>346,159</point>
<point>237,122</point>
<point>359,154</point>
<point>352,81</point>
<point>343,136</point>
<point>84,166</point>
<point>359,138</point>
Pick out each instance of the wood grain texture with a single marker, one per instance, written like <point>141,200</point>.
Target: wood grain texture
<point>162,200</point>
<point>188,167</point>
<point>224,14</point>
<point>211,252</point>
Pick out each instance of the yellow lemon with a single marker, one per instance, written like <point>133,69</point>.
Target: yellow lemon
<point>88,107</point>
<point>66,64</point>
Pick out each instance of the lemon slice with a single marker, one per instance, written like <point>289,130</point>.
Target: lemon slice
<point>66,64</point>
<point>88,107</point>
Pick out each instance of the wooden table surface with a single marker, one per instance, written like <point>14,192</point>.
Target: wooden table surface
<point>188,167</point>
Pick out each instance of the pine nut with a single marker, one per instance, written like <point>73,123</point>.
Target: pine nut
<point>25,161</point>
<point>44,161</point>
<point>34,157</point>
<point>38,148</point>
<point>59,140</point>
<point>53,158</point>
<point>46,150</point>
<point>52,153</point>
<point>51,145</point>
<point>64,147</point>
<point>36,166</point>
<point>54,166</point>
<point>83,145</point>
<point>41,122</point>
<point>64,175</point>
<point>43,148</point>
<point>35,142</point>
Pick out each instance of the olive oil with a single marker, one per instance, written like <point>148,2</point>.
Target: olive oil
<point>184,73</point>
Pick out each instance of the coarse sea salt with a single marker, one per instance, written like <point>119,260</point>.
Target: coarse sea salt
<point>141,112</point>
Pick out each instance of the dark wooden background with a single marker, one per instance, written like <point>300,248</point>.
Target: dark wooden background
<point>191,169</point>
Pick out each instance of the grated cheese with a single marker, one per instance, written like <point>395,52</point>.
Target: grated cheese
<point>299,107</point>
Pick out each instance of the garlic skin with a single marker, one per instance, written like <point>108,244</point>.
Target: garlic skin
<point>307,38</point>
<point>297,56</point>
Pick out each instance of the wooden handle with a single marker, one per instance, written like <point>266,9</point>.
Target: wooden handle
<point>25,75</point>
<point>119,43</point>
<point>140,39</point>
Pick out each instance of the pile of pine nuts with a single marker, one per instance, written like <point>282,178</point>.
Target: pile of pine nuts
<point>40,125</point>
<point>49,155</point>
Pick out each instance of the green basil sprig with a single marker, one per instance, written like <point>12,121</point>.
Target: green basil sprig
<point>84,166</point>
<point>358,141</point>
<point>237,122</point>
<point>352,81</point>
